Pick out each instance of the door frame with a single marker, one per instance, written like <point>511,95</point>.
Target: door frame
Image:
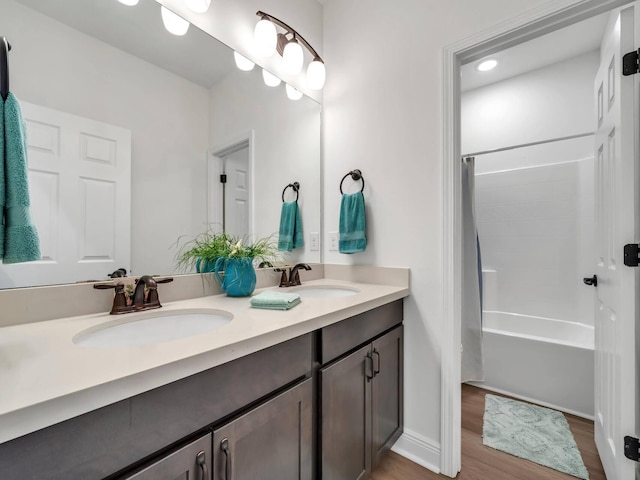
<point>214,169</point>
<point>531,24</point>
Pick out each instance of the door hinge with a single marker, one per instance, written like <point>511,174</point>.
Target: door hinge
<point>631,254</point>
<point>632,448</point>
<point>223,178</point>
<point>630,63</point>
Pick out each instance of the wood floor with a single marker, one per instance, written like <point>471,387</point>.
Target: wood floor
<point>484,463</point>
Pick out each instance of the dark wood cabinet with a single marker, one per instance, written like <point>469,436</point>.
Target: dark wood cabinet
<point>271,442</point>
<point>191,462</point>
<point>361,408</point>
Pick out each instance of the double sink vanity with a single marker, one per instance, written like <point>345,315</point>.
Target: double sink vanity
<point>210,388</point>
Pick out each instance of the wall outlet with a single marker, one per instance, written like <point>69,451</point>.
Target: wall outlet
<point>333,241</point>
<point>314,241</point>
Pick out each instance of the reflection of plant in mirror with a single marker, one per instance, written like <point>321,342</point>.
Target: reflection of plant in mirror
<point>207,247</point>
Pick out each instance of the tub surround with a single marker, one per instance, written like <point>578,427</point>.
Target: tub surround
<point>53,379</point>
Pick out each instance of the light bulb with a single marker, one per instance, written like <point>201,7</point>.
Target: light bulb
<point>270,80</point>
<point>293,93</point>
<point>173,23</point>
<point>292,57</point>
<point>316,75</point>
<point>129,3</point>
<point>198,6</point>
<point>266,38</point>
<point>487,65</point>
<point>243,63</point>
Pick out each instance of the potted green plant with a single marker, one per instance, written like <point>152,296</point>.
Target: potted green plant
<point>223,252</point>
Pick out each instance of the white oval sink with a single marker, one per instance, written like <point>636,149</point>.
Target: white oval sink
<point>324,291</point>
<point>152,329</point>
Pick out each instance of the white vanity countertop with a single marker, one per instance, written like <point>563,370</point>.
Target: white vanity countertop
<point>46,378</point>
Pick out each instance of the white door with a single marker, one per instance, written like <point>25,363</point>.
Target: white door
<point>617,132</point>
<point>80,189</point>
<point>237,192</point>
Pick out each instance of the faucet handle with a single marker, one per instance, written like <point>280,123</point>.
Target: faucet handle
<point>283,278</point>
<point>163,280</point>
<point>119,300</point>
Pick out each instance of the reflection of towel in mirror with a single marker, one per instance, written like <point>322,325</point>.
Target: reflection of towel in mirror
<point>21,243</point>
<point>290,227</point>
<point>353,228</point>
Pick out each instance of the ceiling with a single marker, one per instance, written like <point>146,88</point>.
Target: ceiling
<point>139,31</point>
<point>548,49</point>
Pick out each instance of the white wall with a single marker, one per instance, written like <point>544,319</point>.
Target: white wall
<point>535,205</point>
<point>286,149</point>
<point>382,114</point>
<point>167,116</point>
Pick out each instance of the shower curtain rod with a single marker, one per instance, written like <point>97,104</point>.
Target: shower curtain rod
<point>504,149</point>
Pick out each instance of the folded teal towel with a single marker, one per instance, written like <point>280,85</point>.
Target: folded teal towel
<point>275,300</point>
<point>353,225</point>
<point>290,227</point>
<point>21,243</point>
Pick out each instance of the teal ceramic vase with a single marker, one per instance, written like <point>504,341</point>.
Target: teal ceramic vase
<point>239,279</point>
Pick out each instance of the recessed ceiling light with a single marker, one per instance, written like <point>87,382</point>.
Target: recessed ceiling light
<point>487,65</point>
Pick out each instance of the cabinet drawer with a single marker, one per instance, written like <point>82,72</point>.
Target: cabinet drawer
<point>339,338</point>
<point>192,461</point>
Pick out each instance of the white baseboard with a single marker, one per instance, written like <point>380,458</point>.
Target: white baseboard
<point>419,449</point>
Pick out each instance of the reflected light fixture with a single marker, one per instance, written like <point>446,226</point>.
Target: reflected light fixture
<point>243,63</point>
<point>289,45</point>
<point>172,22</point>
<point>293,93</point>
<point>270,80</point>
<point>487,65</point>
<point>129,3</point>
<point>198,6</point>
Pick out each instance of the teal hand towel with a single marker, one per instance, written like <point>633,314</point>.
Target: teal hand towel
<point>275,300</point>
<point>290,236</point>
<point>21,243</point>
<point>353,225</point>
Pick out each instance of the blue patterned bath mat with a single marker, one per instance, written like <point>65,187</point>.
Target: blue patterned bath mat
<point>538,434</point>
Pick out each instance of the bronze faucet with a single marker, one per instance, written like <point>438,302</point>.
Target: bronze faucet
<point>140,300</point>
<point>294,275</point>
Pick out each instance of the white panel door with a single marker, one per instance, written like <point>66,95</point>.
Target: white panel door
<point>80,187</point>
<point>616,107</point>
<point>237,192</point>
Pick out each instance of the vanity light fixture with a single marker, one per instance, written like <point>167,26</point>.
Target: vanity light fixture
<point>270,80</point>
<point>288,45</point>
<point>198,6</point>
<point>293,93</point>
<point>243,63</point>
<point>129,3</point>
<point>172,22</point>
<point>487,65</point>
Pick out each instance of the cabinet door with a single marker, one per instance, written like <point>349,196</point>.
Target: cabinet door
<point>192,462</point>
<point>345,417</point>
<point>387,387</point>
<point>271,442</point>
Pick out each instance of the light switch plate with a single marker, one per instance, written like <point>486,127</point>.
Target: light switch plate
<point>314,241</point>
<point>333,241</point>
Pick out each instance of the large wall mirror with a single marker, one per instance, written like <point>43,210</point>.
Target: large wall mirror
<point>129,130</point>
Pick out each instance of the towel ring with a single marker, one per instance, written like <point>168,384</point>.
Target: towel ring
<point>296,188</point>
<point>355,176</point>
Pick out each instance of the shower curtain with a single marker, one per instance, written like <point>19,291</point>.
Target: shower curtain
<point>471,318</point>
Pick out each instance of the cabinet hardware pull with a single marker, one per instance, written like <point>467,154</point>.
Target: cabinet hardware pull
<point>224,446</point>
<point>376,370</point>
<point>201,460</point>
<point>369,367</point>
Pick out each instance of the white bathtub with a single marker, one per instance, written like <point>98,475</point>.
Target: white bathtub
<point>542,360</point>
